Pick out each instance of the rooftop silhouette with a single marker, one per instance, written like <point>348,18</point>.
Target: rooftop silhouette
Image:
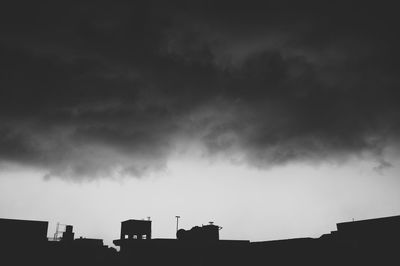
<point>25,242</point>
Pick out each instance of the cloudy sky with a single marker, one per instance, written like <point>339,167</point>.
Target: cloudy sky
<point>273,120</point>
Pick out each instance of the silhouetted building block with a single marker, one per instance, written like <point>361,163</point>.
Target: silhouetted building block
<point>364,242</point>
<point>136,229</point>
<point>202,247</point>
<point>68,235</point>
<point>23,242</point>
<point>23,231</point>
<point>208,232</point>
<point>365,231</point>
<point>133,231</point>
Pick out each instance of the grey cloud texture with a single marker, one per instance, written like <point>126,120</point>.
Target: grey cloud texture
<point>91,91</point>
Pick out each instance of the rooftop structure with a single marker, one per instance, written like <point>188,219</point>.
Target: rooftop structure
<point>209,232</point>
<point>136,229</point>
<point>23,231</point>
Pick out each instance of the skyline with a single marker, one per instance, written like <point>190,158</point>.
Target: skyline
<point>355,242</point>
<point>269,210</point>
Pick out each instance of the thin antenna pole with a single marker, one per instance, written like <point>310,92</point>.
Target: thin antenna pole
<point>177,222</point>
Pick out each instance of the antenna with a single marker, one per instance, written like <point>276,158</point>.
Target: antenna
<point>59,231</point>
<point>177,222</point>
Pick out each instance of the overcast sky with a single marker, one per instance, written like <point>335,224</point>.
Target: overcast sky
<point>253,114</point>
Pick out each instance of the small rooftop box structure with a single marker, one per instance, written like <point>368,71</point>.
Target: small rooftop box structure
<point>136,229</point>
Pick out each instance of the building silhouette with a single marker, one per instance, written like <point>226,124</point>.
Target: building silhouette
<point>136,229</point>
<point>365,242</point>
<point>68,235</point>
<point>208,232</point>
<point>23,231</point>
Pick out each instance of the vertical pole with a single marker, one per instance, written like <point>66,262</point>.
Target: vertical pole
<point>177,222</point>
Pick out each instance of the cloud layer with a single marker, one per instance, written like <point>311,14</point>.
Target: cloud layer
<point>91,91</point>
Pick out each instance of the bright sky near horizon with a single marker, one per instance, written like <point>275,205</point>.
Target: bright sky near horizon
<point>283,202</point>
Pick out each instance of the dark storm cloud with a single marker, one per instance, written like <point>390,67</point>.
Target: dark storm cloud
<point>115,88</point>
